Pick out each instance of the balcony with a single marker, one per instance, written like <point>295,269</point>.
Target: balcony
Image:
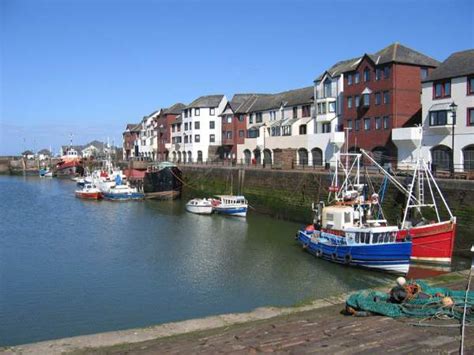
<point>407,136</point>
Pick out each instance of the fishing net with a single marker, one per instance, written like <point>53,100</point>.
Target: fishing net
<point>428,302</point>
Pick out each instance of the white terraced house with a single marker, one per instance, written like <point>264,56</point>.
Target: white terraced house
<point>200,130</point>
<point>448,88</point>
<point>278,121</point>
<point>147,138</point>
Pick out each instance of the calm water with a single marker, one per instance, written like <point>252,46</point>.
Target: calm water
<point>71,267</point>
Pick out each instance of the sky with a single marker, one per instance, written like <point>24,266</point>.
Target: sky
<point>89,67</point>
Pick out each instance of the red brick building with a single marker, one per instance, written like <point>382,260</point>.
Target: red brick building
<point>234,123</point>
<point>130,136</point>
<point>383,91</point>
<point>164,119</point>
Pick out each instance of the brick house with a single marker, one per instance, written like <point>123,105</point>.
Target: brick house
<point>130,138</point>
<point>164,119</point>
<point>382,91</point>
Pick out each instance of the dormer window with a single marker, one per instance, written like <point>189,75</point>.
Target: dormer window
<point>327,88</point>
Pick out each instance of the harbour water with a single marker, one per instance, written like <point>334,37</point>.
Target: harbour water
<point>70,267</point>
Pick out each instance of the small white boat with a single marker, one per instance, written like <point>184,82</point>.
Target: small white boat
<point>89,192</point>
<point>199,206</point>
<point>231,205</point>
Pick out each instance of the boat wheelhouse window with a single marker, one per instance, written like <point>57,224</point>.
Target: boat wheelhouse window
<point>357,238</point>
<point>347,217</point>
<point>329,217</point>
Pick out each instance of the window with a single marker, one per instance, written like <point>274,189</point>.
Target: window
<point>470,116</point>
<point>241,133</point>
<point>302,129</point>
<point>186,113</point>
<point>438,118</point>
<point>357,124</point>
<point>295,112</point>
<point>378,98</point>
<point>470,85</point>
<point>386,72</point>
<point>366,99</point>
<point>332,107</point>
<point>349,125</point>
<point>349,79</point>
<point>185,139</point>
<point>378,74</point>
<point>349,102</point>
<point>326,127</point>
<point>386,97</point>
<point>286,130</point>
<point>356,78</point>
<point>366,74</point>
<point>196,125</point>
<point>229,118</point>
<point>241,118</point>
<point>327,88</point>
<point>197,138</point>
<point>253,133</point>
<point>367,124</point>
<point>385,122</point>
<point>212,125</point>
<point>276,131</point>
<point>357,100</point>
<point>228,134</point>
<point>212,111</point>
<point>423,73</point>
<point>186,126</point>
<point>197,112</point>
<point>251,118</point>
<point>323,108</point>
<point>212,138</point>
<point>173,128</point>
<point>258,117</point>
<point>378,123</point>
<point>306,110</point>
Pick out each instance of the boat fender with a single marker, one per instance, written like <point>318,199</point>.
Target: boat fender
<point>348,259</point>
<point>319,253</point>
<point>333,257</point>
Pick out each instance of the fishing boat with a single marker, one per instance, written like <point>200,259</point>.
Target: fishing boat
<point>433,239</point>
<point>199,206</point>
<point>70,164</point>
<point>89,192</point>
<point>230,205</point>
<point>347,231</point>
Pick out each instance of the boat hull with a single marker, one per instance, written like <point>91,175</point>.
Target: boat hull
<point>432,243</point>
<point>390,257</point>
<point>199,209</point>
<point>123,196</point>
<point>89,195</point>
<point>232,211</point>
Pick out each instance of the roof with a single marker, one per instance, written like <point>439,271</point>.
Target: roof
<point>27,152</point>
<point>175,109</point>
<point>457,64</point>
<point>399,53</point>
<point>44,151</point>
<point>287,98</point>
<point>206,101</point>
<point>177,119</point>
<point>340,67</point>
<point>132,126</point>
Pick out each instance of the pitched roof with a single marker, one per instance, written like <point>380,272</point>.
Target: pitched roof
<point>206,101</point>
<point>457,64</point>
<point>131,126</point>
<point>286,98</point>
<point>175,109</point>
<point>399,53</point>
<point>339,68</point>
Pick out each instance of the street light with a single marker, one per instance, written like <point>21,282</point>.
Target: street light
<point>453,107</point>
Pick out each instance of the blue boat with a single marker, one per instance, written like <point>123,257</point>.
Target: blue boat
<point>120,192</point>
<point>352,230</point>
<point>230,205</point>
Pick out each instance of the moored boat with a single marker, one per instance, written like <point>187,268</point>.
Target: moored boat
<point>70,164</point>
<point>230,205</point>
<point>199,206</point>
<point>122,193</point>
<point>89,192</point>
<point>347,231</point>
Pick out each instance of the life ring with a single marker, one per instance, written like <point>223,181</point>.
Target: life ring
<point>348,259</point>
<point>319,253</point>
<point>333,257</point>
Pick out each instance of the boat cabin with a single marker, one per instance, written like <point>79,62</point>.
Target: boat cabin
<point>338,217</point>
<point>375,235</point>
<point>232,200</point>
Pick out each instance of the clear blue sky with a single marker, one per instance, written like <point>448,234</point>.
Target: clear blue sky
<point>90,66</point>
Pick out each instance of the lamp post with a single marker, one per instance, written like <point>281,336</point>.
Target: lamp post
<point>453,107</point>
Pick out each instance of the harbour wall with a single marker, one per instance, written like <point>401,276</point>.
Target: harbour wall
<point>288,195</point>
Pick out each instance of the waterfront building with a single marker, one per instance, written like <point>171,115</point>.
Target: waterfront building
<point>234,123</point>
<point>130,141</point>
<point>200,133</point>
<point>28,154</point>
<point>279,122</point>
<point>451,83</point>
<point>164,119</point>
<point>382,92</point>
<point>44,154</point>
<point>147,137</point>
